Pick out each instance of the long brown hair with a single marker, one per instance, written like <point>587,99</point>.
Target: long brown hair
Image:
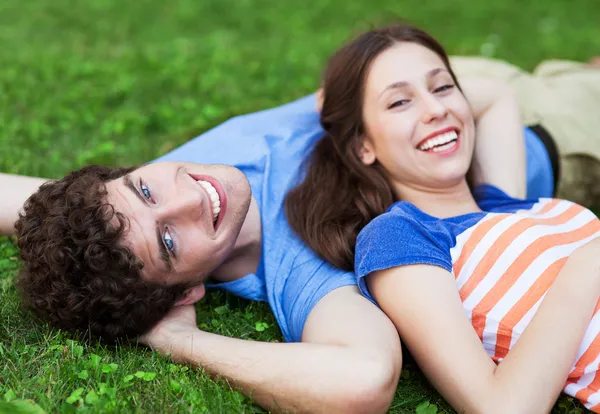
<point>339,195</point>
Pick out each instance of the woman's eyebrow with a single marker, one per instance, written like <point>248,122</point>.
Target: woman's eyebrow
<point>403,84</point>
<point>435,71</point>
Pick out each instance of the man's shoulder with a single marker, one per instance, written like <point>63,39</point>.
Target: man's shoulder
<point>245,140</point>
<point>285,251</point>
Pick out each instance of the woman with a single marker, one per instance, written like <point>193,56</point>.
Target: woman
<point>515,267</point>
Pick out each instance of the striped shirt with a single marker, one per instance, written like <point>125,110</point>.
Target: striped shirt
<point>504,260</point>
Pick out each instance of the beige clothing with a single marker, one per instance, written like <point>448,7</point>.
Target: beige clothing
<point>563,97</point>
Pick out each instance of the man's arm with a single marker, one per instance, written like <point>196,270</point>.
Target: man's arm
<point>16,189</point>
<point>499,157</point>
<point>349,361</point>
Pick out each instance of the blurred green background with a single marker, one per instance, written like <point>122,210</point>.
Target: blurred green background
<point>120,83</point>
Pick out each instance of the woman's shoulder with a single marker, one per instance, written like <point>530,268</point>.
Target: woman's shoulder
<point>402,216</point>
<point>492,199</point>
<point>403,235</point>
<point>406,218</point>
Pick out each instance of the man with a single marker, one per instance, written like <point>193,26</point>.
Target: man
<point>83,265</point>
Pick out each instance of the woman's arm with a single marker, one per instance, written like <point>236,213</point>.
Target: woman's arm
<point>424,304</point>
<point>16,189</point>
<point>499,157</point>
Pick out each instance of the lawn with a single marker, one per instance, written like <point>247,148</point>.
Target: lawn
<point>120,83</point>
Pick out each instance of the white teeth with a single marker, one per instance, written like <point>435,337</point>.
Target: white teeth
<point>444,147</point>
<point>439,140</point>
<point>214,198</point>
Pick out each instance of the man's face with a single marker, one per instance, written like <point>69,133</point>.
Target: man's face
<point>184,217</point>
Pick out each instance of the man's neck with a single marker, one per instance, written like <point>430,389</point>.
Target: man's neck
<point>245,256</point>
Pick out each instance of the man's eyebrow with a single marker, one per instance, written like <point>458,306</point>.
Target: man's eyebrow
<point>164,254</point>
<point>165,257</point>
<point>131,186</point>
<point>402,84</point>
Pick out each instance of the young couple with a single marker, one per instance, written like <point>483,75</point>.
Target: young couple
<point>444,193</point>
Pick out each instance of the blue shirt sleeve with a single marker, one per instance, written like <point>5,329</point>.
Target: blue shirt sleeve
<point>305,286</point>
<point>540,178</point>
<point>402,236</point>
<point>242,140</point>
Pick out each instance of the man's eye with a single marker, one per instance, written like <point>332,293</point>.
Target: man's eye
<point>444,88</point>
<point>168,240</point>
<point>145,191</point>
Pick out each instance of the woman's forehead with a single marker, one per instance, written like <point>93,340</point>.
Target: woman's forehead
<point>404,62</point>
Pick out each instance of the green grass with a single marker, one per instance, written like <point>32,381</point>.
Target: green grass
<point>120,83</point>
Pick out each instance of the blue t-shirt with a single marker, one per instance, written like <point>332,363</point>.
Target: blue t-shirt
<point>405,235</point>
<point>510,239</point>
<point>269,147</point>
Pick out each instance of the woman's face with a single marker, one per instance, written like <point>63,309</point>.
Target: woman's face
<point>418,124</point>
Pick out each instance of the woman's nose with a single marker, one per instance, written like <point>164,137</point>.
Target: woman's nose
<point>433,109</point>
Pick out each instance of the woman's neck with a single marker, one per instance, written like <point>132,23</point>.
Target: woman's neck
<point>446,202</point>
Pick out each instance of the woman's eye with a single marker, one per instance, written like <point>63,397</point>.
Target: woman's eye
<point>145,191</point>
<point>401,102</point>
<point>444,88</point>
<point>168,240</point>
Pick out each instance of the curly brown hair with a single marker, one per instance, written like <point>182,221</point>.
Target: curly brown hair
<point>77,273</point>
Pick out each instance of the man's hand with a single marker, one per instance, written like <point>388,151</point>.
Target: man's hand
<point>179,322</point>
<point>349,362</point>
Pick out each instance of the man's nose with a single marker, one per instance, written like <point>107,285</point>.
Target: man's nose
<point>186,204</point>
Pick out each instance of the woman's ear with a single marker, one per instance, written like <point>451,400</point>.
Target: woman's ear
<point>366,152</point>
<point>319,98</point>
<point>192,295</point>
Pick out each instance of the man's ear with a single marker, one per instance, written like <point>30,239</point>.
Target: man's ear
<point>192,295</point>
<point>366,152</point>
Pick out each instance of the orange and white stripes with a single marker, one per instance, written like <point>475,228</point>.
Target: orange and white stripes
<point>505,264</point>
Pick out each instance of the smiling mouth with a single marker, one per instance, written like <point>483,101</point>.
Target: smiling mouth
<point>214,199</point>
<point>440,142</point>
